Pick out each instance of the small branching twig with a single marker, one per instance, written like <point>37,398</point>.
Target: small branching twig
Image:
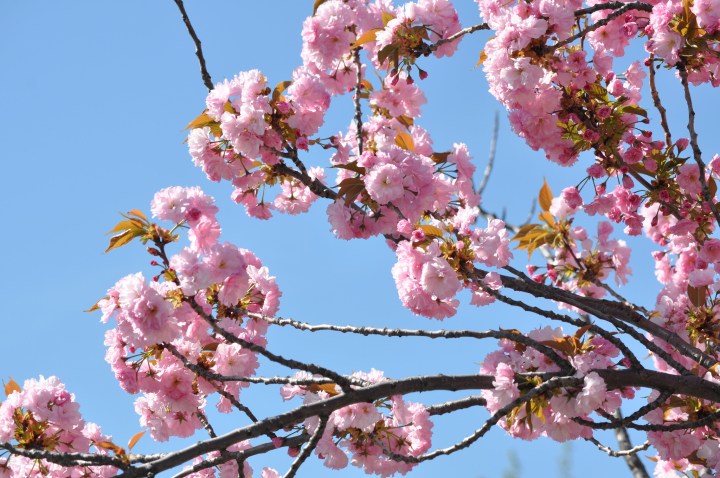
<point>342,381</point>
<point>697,154</point>
<point>617,453</point>
<point>454,405</point>
<point>308,449</point>
<point>658,104</point>
<point>491,156</point>
<point>626,7</point>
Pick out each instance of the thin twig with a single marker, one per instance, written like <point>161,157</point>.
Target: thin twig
<point>307,450</point>
<point>656,101</point>
<point>198,46</point>
<point>242,455</point>
<point>356,99</point>
<point>617,453</point>
<point>627,451</point>
<point>551,384</point>
<point>600,23</point>
<point>491,156</point>
<point>609,336</point>
<point>342,381</point>
<point>697,154</point>
<point>432,334</point>
<point>454,405</point>
<point>426,50</point>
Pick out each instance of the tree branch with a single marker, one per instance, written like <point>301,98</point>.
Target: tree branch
<point>697,154</point>
<point>198,46</point>
<point>305,453</point>
<point>491,156</point>
<point>626,7</point>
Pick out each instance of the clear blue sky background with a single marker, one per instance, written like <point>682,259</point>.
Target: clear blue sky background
<point>94,99</point>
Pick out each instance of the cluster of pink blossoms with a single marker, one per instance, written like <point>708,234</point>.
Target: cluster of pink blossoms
<point>172,336</point>
<point>361,430</point>
<point>155,318</point>
<point>537,81</point>
<point>578,263</point>
<point>551,414</point>
<point>390,180</point>
<point>44,416</point>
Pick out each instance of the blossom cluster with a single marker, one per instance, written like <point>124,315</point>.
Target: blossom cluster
<point>551,63</point>
<point>553,413</point>
<point>363,431</point>
<point>43,415</point>
<point>162,326</point>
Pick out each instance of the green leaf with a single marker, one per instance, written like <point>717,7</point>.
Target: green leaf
<point>482,58</point>
<point>431,230</point>
<point>712,187</point>
<point>405,120</point>
<point>352,166</point>
<point>125,225</point>
<point>123,238</point>
<point>280,88</point>
<point>317,5</point>
<point>405,141</point>
<point>96,306</point>
<point>440,157</point>
<point>137,213</point>
<point>636,110</point>
<point>598,91</point>
<point>108,445</point>
<point>387,17</point>
<point>201,121</point>
<point>545,197</point>
<point>12,386</point>
<point>350,188</point>
<point>697,295</point>
<point>386,52</point>
<point>641,169</point>
<point>134,440</point>
<point>548,218</point>
<point>367,37</point>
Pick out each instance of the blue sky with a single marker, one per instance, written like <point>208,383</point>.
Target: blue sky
<point>95,96</point>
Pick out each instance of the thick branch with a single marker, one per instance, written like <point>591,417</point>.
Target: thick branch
<point>616,313</point>
<point>686,385</point>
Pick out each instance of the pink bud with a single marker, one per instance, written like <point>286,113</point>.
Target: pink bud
<point>302,143</point>
<point>283,107</point>
<point>418,235</point>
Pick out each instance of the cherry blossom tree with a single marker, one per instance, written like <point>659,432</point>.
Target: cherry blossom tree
<point>191,337</point>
